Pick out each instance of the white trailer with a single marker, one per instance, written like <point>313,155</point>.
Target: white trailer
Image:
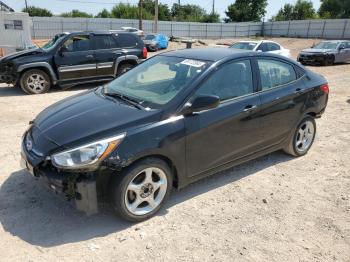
<point>15,32</point>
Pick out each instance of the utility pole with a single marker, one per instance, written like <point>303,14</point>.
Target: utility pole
<point>26,5</point>
<point>156,17</point>
<point>140,14</point>
<point>213,11</point>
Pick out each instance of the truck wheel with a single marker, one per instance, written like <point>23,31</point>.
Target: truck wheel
<point>140,190</point>
<point>124,68</point>
<point>35,81</point>
<point>303,138</point>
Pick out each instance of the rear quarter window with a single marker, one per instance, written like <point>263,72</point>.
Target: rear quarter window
<point>126,40</point>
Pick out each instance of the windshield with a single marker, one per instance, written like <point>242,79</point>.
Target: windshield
<point>244,45</point>
<point>53,42</point>
<point>326,45</point>
<point>150,37</point>
<point>158,80</point>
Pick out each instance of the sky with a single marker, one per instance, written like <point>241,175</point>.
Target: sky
<point>94,6</point>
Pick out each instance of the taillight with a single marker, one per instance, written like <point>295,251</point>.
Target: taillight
<point>325,88</point>
<point>144,53</point>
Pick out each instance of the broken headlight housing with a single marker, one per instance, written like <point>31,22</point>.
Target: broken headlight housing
<point>86,155</point>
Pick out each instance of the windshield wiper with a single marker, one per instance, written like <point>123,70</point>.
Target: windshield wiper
<point>125,98</point>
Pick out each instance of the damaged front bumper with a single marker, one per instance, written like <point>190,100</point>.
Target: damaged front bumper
<point>80,187</point>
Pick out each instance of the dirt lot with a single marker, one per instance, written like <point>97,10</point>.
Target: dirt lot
<point>275,208</point>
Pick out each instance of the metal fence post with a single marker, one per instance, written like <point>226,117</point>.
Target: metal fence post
<point>323,29</point>
<point>221,31</point>
<point>249,30</point>
<point>344,30</point>
<point>189,29</point>
<point>171,28</point>
<point>33,28</point>
<point>62,24</point>
<point>110,25</point>
<point>235,31</point>
<point>271,28</point>
<point>308,29</point>
<point>206,30</point>
<point>288,30</point>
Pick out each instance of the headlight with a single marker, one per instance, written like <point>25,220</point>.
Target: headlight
<point>87,154</point>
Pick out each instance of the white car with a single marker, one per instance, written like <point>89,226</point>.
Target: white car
<point>133,30</point>
<point>262,46</point>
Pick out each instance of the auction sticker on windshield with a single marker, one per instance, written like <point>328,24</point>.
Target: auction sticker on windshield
<point>194,63</point>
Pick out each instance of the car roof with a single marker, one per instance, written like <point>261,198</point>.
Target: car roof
<point>336,41</point>
<point>216,54</point>
<point>208,54</point>
<point>101,32</point>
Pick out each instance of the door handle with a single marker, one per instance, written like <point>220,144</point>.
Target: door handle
<point>89,56</point>
<point>249,108</point>
<point>299,90</point>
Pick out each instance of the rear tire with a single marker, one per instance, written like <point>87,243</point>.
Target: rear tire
<point>303,138</point>
<point>141,189</point>
<point>123,68</point>
<point>35,81</point>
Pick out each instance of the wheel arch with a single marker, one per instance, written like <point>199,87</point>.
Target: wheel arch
<point>39,66</point>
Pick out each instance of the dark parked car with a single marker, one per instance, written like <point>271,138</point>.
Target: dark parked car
<point>177,117</point>
<point>70,59</point>
<point>326,53</point>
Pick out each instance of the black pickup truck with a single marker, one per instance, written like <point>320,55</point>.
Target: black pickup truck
<point>73,58</point>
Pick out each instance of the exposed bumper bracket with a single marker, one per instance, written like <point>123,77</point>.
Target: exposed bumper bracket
<point>87,202</point>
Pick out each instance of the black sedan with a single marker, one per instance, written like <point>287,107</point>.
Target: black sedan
<point>177,117</point>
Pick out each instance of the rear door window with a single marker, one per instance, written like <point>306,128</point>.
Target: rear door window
<point>126,40</point>
<point>273,47</point>
<point>104,42</point>
<point>275,73</point>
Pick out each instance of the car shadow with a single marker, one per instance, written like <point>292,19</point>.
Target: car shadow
<point>32,212</point>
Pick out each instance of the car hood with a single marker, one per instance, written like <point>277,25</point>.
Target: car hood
<point>314,50</point>
<point>21,54</point>
<point>89,116</point>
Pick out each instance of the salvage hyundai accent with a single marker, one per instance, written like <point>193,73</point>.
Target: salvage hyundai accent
<point>177,117</point>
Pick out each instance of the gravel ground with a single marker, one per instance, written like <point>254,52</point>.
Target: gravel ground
<point>275,208</point>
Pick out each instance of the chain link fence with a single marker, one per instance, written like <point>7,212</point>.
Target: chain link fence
<point>47,27</point>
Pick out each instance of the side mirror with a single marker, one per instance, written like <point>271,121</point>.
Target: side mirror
<point>341,48</point>
<point>62,50</point>
<point>201,103</point>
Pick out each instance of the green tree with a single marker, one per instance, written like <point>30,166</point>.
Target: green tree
<point>285,13</point>
<point>211,18</point>
<point>188,13</point>
<point>302,10</point>
<point>37,11</point>
<point>127,11</point>
<point>246,10</point>
<point>76,13</point>
<point>334,9</point>
<point>163,10</point>
<point>103,14</point>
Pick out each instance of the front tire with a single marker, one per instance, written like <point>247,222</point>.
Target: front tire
<point>303,138</point>
<point>35,81</point>
<point>329,61</point>
<point>141,189</point>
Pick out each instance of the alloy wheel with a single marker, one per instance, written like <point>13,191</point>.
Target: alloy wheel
<point>37,83</point>
<point>146,191</point>
<point>305,136</point>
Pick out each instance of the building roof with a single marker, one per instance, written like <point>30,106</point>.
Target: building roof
<point>5,7</point>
